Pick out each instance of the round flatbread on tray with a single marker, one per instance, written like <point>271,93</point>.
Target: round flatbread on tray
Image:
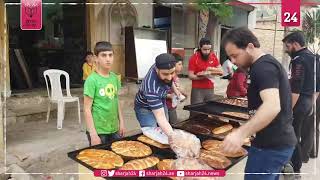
<point>100,159</point>
<point>140,164</point>
<point>133,149</point>
<point>216,146</point>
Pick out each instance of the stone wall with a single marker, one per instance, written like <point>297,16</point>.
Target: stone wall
<point>99,27</point>
<point>265,33</point>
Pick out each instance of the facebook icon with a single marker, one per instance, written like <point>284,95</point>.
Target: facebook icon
<point>180,173</point>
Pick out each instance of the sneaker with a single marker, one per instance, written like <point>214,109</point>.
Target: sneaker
<point>288,172</point>
<point>287,168</point>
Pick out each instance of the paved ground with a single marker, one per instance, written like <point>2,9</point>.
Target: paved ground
<point>38,147</point>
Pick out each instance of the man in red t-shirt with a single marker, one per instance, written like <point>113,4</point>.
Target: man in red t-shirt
<point>203,65</point>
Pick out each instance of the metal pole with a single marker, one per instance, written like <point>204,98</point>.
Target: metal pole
<point>315,85</point>
<point>275,32</point>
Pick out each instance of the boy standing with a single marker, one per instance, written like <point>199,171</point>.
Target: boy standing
<point>101,103</point>
<point>89,66</point>
<point>173,119</point>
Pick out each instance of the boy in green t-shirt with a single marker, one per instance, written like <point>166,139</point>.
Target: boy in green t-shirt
<point>101,102</point>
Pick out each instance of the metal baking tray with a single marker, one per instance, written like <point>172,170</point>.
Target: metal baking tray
<point>243,100</point>
<point>160,153</point>
<point>193,126</point>
<point>215,108</point>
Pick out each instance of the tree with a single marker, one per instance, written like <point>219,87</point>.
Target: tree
<point>311,29</point>
<point>211,12</point>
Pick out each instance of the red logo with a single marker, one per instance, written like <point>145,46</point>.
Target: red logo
<point>31,15</point>
<point>290,13</point>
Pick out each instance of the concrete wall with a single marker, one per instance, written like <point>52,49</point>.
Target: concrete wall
<point>252,19</point>
<point>239,18</point>
<point>3,64</point>
<point>4,56</point>
<point>99,28</point>
<point>265,34</point>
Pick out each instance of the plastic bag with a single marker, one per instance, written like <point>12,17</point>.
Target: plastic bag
<point>185,145</point>
<point>177,99</point>
<point>182,98</point>
<point>155,133</point>
<point>187,148</point>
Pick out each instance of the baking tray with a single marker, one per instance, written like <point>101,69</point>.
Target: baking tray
<point>234,161</point>
<point>222,101</point>
<point>203,137</point>
<point>160,153</point>
<point>215,108</point>
<point>208,123</point>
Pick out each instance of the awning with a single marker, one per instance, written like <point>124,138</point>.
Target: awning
<point>193,3</point>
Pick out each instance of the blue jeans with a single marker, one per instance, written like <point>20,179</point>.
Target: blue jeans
<point>267,161</point>
<point>146,117</point>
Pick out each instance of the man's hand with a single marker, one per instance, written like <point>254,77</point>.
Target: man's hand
<point>194,76</point>
<point>169,96</point>
<point>121,130</point>
<point>202,74</point>
<point>95,139</point>
<point>233,141</point>
<point>215,71</point>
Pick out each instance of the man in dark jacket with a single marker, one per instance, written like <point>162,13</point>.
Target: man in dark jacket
<point>301,78</point>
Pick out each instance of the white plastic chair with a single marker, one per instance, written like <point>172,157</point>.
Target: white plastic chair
<point>56,95</point>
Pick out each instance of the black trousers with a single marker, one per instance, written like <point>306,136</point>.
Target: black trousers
<point>307,137</point>
<point>310,144</point>
<point>301,112</point>
<point>315,148</point>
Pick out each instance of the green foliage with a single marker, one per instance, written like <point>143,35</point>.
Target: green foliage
<point>311,25</point>
<point>217,7</point>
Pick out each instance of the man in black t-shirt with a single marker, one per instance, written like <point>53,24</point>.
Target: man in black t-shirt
<point>269,107</point>
<point>303,89</point>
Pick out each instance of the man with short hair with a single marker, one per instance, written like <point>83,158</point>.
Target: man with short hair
<point>202,66</point>
<point>269,107</point>
<point>150,102</point>
<point>302,85</point>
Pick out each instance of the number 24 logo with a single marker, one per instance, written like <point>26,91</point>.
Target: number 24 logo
<point>289,18</point>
